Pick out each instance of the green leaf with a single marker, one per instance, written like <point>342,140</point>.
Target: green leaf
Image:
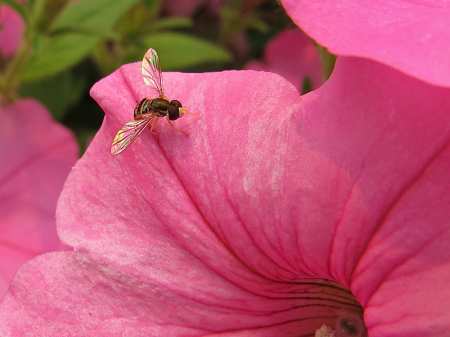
<point>76,32</point>
<point>153,7</point>
<point>100,32</point>
<point>180,51</point>
<point>93,15</point>
<point>328,60</point>
<point>45,12</point>
<point>18,7</point>
<point>172,22</point>
<point>62,52</point>
<point>57,92</point>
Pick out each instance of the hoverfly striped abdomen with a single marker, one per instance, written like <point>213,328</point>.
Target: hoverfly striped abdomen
<point>141,109</point>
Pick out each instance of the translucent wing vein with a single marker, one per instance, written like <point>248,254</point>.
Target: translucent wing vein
<point>129,133</point>
<point>151,71</point>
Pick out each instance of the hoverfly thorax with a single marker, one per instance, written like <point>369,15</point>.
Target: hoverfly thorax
<point>160,105</point>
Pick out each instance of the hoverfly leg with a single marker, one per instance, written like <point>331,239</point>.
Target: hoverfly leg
<point>176,128</point>
<point>151,129</point>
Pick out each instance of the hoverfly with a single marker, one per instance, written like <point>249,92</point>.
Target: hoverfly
<point>148,111</point>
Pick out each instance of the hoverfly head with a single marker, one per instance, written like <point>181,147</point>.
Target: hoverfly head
<point>175,110</point>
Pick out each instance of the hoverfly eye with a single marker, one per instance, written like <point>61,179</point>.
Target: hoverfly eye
<point>174,112</point>
<point>176,103</point>
<point>174,109</point>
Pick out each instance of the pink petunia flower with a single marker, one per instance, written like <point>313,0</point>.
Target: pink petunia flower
<point>11,32</point>
<point>412,37</point>
<point>409,35</point>
<point>274,214</point>
<point>12,28</point>
<point>37,155</point>
<point>292,55</point>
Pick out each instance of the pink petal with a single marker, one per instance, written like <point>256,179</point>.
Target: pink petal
<point>37,155</point>
<point>292,55</point>
<point>233,228</point>
<point>390,134</point>
<point>411,36</point>
<point>11,32</point>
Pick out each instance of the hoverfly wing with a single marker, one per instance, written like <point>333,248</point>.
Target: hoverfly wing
<point>129,133</point>
<point>151,71</point>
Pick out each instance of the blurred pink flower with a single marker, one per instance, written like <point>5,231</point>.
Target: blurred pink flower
<point>12,27</point>
<point>292,55</point>
<point>235,230</point>
<point>11,32</point>
<point>37,155</point>
<point>409,35</point>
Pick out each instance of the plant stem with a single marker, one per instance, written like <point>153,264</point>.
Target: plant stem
<point>9,82</point>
